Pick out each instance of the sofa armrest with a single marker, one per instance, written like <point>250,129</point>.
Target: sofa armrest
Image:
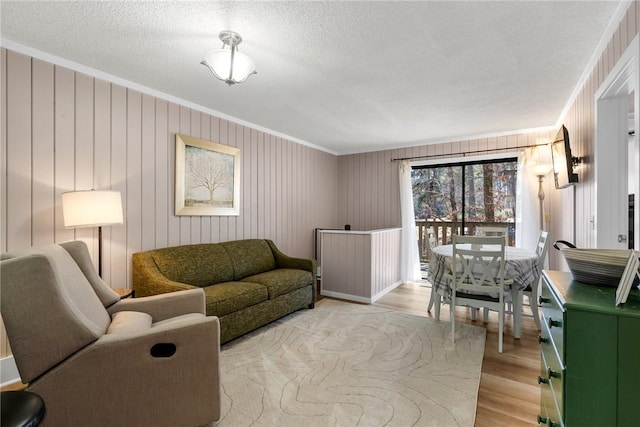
<point>147,387</point>
<point>148,280</point>
<point>285,261</point>
<point>164,306</point>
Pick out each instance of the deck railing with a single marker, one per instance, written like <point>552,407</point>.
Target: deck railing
<point>443,231</point>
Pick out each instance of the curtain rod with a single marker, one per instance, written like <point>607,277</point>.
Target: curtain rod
<point>467,153</point>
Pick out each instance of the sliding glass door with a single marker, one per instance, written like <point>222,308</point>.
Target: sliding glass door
<point>456,197</point>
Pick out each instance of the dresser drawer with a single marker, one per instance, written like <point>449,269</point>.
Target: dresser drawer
<point>552,373</point>
<point>552,315</point>
<point>551,414</point>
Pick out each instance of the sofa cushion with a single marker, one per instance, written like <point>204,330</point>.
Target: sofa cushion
<point>225,298</point>
<point>198,265</point>
<point>282,280</point>
<point>249,257</point>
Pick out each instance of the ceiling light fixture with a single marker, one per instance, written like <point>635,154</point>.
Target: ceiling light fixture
<point>228,64</point>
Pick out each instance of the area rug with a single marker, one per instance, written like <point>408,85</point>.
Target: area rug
<point>344,364</point>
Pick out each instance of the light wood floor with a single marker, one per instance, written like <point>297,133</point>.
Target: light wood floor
<point>509,393</point>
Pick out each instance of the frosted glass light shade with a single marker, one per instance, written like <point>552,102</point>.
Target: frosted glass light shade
<point>91,208</point>
<point>219,63</point>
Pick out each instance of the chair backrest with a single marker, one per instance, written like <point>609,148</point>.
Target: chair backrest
<point>80,254</point>
<point>542,247</point>
<point>49,308</point>
<point>431,236</point>
<point>492,231</point>
<point>478,264</point>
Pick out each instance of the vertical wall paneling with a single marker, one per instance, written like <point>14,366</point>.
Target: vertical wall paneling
<point>18,212</point>
<point>147,178</point>
<point>360,265</point>
<point>116,245</point>
<point>246,204</point>
<point>65,131</point>
<point>43,151</point>
<point>173,126</point>
<point>83,143</point>
<point>5,350</point>
<point>3,151</point>
<point>102,159</point>
<point>163,207</point>
<point>64,155</point>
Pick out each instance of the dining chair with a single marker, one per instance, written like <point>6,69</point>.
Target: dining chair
<point>492,231</point>
<point>533,289</point>
<point>433,242</point>
<point>477,277</point>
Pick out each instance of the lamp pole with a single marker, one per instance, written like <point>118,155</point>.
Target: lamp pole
<point>541,199</point>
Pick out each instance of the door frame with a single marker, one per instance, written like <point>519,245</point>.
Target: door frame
<point>612,148</point>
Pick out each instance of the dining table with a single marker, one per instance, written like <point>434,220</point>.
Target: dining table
<point>521,268</point>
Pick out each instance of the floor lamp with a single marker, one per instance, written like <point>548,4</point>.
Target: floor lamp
<point>91,208</point>
<point>541,166</point>
<point>541,199</point>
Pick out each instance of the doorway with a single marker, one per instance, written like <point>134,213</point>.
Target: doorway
<point>616,154</point>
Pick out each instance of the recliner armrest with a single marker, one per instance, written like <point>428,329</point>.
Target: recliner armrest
<point>164,306</point>
<point>149,385</point>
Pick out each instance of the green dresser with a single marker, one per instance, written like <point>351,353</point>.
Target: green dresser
<point>590,364</point>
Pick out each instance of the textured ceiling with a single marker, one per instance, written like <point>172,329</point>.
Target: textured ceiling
<point>345,76</point>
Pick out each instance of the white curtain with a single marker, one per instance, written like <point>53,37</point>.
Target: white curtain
<point>409,255</point>
<point>527,204</point>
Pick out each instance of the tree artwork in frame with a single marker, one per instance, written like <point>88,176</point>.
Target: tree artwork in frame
<point>207,178</point>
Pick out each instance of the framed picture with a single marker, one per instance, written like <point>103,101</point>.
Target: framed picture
<point>628,277</point>
<point>207,178</point>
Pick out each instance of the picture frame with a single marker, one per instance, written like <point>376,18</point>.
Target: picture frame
<point>628,276</point>
<point>207,178</point>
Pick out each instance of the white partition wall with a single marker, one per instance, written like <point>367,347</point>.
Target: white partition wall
<point>360,266</point>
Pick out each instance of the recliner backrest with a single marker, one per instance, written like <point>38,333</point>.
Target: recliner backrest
<point>49,308</point>
<point>80,254</point>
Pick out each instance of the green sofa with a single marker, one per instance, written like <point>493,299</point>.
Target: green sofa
<point>247,283</point>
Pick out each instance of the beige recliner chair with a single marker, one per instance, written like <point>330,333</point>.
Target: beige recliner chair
<point>100,361</point>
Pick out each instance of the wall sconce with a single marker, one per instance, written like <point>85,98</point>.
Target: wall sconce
<point>90,208</point>
<point>228,64</point>
<point>540,164</point>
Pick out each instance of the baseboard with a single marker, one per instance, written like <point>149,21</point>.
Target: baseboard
<point>360,299</point>
<point>386,291</point>
<point>8,371</point>
<point>347,297</point>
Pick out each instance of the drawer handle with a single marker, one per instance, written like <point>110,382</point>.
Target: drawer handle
<point>543,300</point>
<point>556,323</point>
<point>542,420</point>
<point>553,374</point>
<point>542,340</point>
<point>543,380</point>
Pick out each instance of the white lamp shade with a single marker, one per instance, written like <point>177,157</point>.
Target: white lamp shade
<point>219,62</point>
<point>540,160</point>
<point>91,208</point>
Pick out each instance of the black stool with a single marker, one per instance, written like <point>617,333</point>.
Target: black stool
<point>21,409</point>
